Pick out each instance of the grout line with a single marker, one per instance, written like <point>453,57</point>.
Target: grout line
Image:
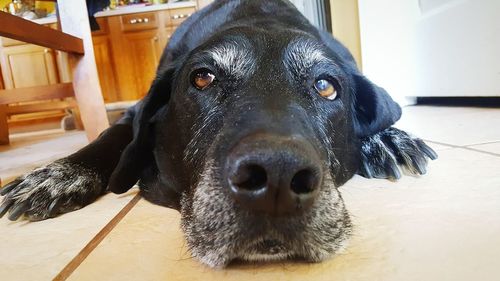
<point>466,148</point>
<point>481,143</point>
<point>442,143</point>
<point>85,252</point>
<point>482,151</point>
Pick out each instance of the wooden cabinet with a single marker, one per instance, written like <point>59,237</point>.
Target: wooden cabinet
<point>105,68</point>
<point>105,62</point>
<point>25,65</point>
<point>144,51</point>
<point>140,21</point>
<point>28,66</point>
<point>137,47</point>
<point>127,50</point>
<point>137,42</point>
<point>175,17</point>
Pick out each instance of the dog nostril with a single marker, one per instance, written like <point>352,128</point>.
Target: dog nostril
<point>250,177</point>
<point>303,182</point>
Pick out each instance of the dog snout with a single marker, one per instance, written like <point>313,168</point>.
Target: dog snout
<point>275,175</point>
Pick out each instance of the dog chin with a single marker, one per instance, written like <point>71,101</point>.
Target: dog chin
<point>218,232</point>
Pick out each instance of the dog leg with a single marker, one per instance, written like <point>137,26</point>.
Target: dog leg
<point>68,183</point>
<point>383,153</point>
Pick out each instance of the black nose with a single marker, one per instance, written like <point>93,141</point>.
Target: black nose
<point>274,174</point>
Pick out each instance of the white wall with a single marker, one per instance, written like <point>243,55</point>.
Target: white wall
<point>432,47</point>
<point>458,48</point>
<point>387,31</point>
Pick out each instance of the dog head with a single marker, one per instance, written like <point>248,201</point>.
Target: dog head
<point>249,135</point>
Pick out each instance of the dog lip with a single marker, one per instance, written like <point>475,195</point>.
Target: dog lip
<point>268,246</point>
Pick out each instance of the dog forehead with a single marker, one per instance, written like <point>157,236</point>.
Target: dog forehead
<point>232,53</point>
<point>303,53</point>
<point>235,57</point>
<point>240,53</point>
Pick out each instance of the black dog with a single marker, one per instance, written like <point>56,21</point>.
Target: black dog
<point>253,121</point>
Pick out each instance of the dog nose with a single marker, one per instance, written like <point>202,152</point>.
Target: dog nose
<point>274,175</point>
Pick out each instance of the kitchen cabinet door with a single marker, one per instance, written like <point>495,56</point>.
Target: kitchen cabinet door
<point>28,66</point>
<point>143,49</point>
<point>106,68</point>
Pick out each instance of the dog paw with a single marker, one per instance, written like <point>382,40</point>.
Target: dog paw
<point>57,188</point>
<point>384,153</point>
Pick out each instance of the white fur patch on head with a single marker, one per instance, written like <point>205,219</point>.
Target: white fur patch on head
<point>302,54</point>
<point>236,58</point>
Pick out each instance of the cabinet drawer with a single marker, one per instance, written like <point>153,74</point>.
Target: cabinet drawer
<point>177,16</point>
<point>141,21</point>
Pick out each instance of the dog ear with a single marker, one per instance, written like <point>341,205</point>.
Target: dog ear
<point>373,109</point>
<point>138,153</point>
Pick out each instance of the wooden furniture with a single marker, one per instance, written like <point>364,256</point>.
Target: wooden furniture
<point>27,65</point>
<point>128,49</point>
<point>76,40</point>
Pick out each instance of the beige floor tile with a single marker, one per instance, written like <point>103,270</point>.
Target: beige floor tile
<point>488,147</point>
<point>442,226</point>
<point>452,125</point>
<point>31,150</point>
<point>40,250</point>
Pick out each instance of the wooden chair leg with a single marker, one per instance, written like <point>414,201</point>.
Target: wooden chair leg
<point>74,20</point>
<point>4,129</point>
<point>75,112</point>
<point>78,118</point>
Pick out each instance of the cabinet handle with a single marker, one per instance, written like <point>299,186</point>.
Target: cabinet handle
<point>46,51</point>
<point>138,20</point>
<point>180,16</point>
<point>155,38</point>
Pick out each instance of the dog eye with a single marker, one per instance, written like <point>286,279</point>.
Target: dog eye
<point>325,89</point>
<point>202,79</point>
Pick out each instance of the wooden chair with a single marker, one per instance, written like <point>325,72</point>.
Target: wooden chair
<point>74,38</point>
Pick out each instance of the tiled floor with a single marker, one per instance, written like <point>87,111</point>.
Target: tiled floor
<point>441,226</point>
<point>29,150</point>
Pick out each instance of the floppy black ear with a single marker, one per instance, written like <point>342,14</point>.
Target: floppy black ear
<point>138,153</point>
<point>373,109</point>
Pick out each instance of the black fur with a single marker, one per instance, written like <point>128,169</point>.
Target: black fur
<point>176,140</point>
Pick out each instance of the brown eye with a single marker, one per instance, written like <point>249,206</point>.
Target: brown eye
<point>325,89</point>
<point>203,78</point>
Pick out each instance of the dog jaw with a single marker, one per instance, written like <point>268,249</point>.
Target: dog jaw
<point>218,231</point>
